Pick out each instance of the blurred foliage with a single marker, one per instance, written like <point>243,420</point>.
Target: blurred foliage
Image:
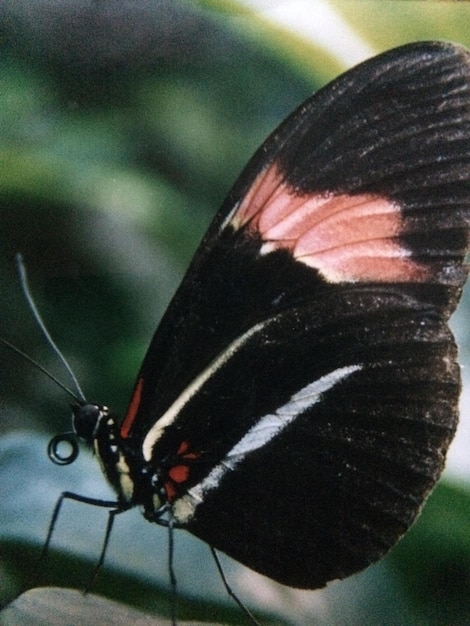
<point>123,588</point>
<point>122,127</point>
<point>433,559</point>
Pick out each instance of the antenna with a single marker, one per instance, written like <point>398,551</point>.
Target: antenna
<point>41,368</point>
<point>29,298</point>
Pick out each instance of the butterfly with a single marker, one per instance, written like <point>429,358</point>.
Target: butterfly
<point>297,400</point>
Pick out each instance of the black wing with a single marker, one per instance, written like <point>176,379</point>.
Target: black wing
<point>302,387</point>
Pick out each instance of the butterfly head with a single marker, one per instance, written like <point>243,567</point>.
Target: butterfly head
<point>86,420</point>
<point>63,449</point>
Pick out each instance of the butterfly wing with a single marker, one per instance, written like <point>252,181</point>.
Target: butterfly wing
<point>301,390</point>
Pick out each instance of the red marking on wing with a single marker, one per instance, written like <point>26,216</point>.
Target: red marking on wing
<point>345,237</point>
<point>179,474</point>
<point>184,447</point>
<point>132,409</point>
<point>170,491</point>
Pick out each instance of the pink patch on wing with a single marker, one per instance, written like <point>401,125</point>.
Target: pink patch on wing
<point>347,238</point>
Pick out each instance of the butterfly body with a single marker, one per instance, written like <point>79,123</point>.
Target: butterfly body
<point>297,401</point>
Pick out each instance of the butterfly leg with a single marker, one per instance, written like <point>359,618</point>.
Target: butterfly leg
<point>230,591</point>
<point>115,507</point>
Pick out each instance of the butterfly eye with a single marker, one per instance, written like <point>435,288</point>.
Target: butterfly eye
<point>86,418</point>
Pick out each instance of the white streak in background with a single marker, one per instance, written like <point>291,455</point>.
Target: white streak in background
<point>268,427</point>
<point>317,22</point>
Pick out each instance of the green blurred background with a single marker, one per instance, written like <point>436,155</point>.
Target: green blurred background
<point>123,125</point>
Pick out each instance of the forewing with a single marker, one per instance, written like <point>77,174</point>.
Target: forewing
<point>384,152</point>
<point>302,386</point>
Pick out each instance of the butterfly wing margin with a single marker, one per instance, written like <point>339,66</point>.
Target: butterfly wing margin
<point>396,127</point>
<point>252,328</point>
<point>332,478</point>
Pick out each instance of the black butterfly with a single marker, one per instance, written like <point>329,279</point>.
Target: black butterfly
<point>297,400</point>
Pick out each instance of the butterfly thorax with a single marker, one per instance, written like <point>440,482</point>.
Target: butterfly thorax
<point>133,479</point>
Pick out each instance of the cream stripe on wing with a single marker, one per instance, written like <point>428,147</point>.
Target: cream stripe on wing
<point>170,415</point>
<point>268,427</point>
